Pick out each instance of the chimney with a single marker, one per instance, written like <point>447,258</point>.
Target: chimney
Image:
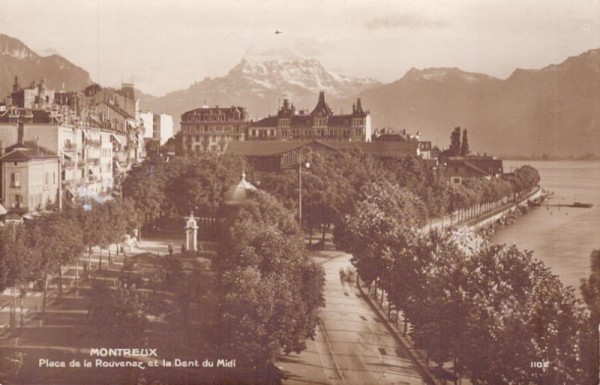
<point>20,133</point>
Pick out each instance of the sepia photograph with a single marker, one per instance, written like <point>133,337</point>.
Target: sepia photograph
<point>283,192</point>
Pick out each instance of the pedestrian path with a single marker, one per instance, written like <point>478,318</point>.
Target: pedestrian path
<point>360,346</point>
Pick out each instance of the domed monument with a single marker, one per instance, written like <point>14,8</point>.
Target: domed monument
<point>239,193</point>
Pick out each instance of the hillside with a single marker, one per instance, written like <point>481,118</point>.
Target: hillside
<point>16,59</point>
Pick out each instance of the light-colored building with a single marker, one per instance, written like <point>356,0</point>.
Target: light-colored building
<point>94,135</point>
<point>30,178</point>
<point>157,126</point>
<point>34,96</point>
<point>213,128</point>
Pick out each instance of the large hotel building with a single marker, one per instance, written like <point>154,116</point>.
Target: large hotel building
<point>212,128</point>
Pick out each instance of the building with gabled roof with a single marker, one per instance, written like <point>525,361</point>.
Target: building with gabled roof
<point>30,177</point>
<point>321,124</point>
<point>275,155</point>
<point>459,168</point>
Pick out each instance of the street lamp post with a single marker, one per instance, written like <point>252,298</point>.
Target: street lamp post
<point>307,165</point>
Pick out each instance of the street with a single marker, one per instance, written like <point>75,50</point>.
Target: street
<point>362,350</point>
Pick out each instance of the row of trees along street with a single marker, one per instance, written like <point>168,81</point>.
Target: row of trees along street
<point>40,249</point>
<point>489,310</point>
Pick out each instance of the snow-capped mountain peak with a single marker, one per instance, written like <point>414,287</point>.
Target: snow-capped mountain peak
<point>292,74</point>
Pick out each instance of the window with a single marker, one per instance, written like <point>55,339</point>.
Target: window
<point>15,179</point>
<point>17,201</point>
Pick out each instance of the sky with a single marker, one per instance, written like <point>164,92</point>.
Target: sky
<point>167,45</point>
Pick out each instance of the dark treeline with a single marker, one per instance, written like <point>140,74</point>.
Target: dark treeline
<point>161,190</point>
<point>39,249</point>
<point>490,310</point>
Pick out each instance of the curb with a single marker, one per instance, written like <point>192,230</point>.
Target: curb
<point>423,369</point>
<point>338,371</point>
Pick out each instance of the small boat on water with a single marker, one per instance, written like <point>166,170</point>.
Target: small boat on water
<point>582,205</point>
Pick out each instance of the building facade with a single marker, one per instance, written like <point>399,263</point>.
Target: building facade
<point>94,134</point>
<point>30,177</point>
<point>459,168</point>
<point>158,127</point>
<point>213,128</point>
<point>321,124</point>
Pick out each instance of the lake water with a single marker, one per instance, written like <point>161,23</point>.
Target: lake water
<point>563,238</point>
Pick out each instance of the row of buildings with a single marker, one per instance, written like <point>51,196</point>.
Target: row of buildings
<point>213,128</point>
<point>273,143</point>
<point>56,144</point>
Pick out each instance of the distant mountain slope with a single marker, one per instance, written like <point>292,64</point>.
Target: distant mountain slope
<point>16,59</point>
<point>554,110</point>
<point>261,85</point>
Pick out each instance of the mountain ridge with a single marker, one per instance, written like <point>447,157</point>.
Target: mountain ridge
<point>18,60</point>
<point>550,110</point>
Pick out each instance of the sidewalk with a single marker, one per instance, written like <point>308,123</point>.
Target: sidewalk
<point>453,218</point>
<point>395,330</point>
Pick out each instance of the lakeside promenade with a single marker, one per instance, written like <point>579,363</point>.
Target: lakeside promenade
<point>360,340</point>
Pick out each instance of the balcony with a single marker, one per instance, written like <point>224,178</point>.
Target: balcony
<point>93,143</point>
<point>70,147</point>
<point>93,161</point>
<point>68,164</point>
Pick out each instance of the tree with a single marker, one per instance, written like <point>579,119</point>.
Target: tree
<point>435,301</point>
<point>145,186</point>
<point>58,241</point>
<point>464,146</point>
<point>270,290</point>
<point>590,290</point>
<point>387,218</point>
<point>455,146</point>
<point>518,306</point>
<point>121,311</point>
<point>18,263</point>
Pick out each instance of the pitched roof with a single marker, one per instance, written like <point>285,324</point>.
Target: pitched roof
<point>381,149</point>
<point>37,115</point>
<point>118,110</point>
<point>322,109</point>
<point>483,165</point>
<point>24,152</point>
<point>258,148</point>
<point>264,147</point>
<point>473,167</point>
<point>233,112</point>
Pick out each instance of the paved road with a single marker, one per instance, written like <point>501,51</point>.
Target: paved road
<point>364,353</point>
